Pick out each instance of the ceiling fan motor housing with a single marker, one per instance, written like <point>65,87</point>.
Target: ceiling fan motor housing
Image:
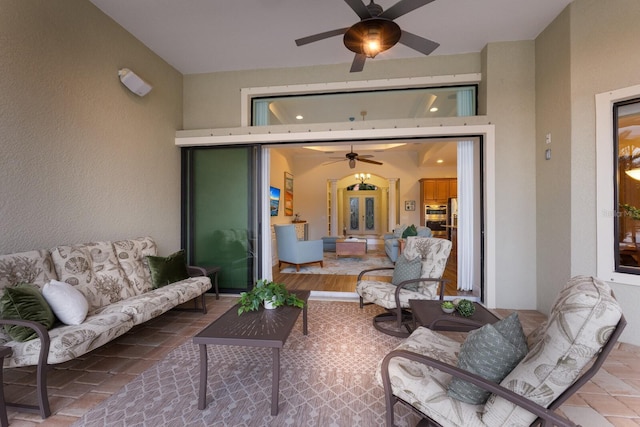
<point>390,34</point>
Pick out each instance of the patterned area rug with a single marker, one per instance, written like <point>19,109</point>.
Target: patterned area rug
<point>326,379</point>
<point>349,266</point>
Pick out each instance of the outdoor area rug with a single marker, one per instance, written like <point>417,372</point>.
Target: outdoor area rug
<point>326,379</point>
<point>349,266</point>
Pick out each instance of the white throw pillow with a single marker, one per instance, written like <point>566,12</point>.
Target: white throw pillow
<point>67,303</point>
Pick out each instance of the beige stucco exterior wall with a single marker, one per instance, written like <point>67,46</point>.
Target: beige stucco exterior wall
<point>82,157</point>
<point>553,177</point>
<point>510,74</point>
<point>589,49</point>
<point>604,56</point>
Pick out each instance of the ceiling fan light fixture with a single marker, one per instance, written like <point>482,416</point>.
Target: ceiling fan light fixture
<point>371,36</point>
<point>352,163</point>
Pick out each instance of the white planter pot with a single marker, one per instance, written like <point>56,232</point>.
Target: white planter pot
<point>269,304</point>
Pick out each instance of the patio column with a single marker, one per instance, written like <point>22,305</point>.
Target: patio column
<point>333,211</point>
<point>393,203</point>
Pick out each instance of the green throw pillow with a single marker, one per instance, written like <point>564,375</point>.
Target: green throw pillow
<point>25,302</point>
<point>166,270</point>
<point>491,352</point>
<point>409,231</point>
<point>406,270</point>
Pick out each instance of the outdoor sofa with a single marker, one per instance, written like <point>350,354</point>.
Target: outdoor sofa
<point>115,293</point>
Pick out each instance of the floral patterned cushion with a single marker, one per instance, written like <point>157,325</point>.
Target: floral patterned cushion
<point>383,293</point>
<point>433,251</point>
<point>34,267</point>
<point>94,270</point>
<point>581,320</point>
<point>425,388</point>
<point>132,256</point>
<point>69,342</point>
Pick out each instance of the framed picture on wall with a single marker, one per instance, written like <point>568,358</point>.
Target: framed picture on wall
<point>288,194</point>
<point>409,205</point>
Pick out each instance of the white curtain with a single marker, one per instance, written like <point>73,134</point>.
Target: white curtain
<point>261,113</point>
<point>465,101</point>
<point>466,232</point>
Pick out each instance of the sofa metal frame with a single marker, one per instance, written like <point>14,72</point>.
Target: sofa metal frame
<point>546,416</point>
<point>43,407</point>
<point>402,316</point>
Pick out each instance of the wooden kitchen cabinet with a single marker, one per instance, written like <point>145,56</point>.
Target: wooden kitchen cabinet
<point>438,190</point>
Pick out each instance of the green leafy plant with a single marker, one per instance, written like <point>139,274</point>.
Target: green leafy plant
<point>447,305</point>
<point>265,290</point>
<point>466,308</point>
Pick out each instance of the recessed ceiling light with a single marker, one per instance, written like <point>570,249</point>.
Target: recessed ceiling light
<point>439,161</point>
<point>299,117</point>
<point>433,109</point>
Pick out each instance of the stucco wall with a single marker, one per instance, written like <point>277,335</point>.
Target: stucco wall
<point>553,177</point>
<point>82,157</point>
<point>604,56</point>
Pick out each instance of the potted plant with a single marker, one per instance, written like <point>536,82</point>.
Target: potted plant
<point>466,308</point>
<point>270,294</point>
<point>448,307</point>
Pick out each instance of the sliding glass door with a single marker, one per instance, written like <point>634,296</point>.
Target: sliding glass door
<point>221,211</point>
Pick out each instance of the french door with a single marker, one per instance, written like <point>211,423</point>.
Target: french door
<point>362,216</point>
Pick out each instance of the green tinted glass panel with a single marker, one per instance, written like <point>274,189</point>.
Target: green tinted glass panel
<point>220,219</point>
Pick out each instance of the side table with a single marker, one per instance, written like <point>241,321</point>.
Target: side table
<point>213,269</point>
<point>4,421</point>
<point>428,313</point>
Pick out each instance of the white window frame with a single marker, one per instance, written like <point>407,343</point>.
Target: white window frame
<point>605,190</point>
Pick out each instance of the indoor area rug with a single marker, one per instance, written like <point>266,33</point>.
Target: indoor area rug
<point>326,379</point>
<point>349,266</point>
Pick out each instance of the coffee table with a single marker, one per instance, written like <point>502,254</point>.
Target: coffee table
<point>346,247</point>
<point>261,328</point>
<point>428,313</point>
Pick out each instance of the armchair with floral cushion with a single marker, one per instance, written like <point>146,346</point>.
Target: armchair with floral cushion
<point>499,376</point>
<point>417,275</point>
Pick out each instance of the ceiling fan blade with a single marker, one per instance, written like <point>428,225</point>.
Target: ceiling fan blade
<point>357,65</point>
<point>373,162</point>
<point>418,43</point>
<point>359,8</point>
<point>334,161</point>
<point>320,36</point>
<point>364,156</point>
<point>403,7</point>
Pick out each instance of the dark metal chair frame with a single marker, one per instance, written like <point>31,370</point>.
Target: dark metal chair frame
<point>43,407</point>
<point>402,316</point>
<point>546,416</point>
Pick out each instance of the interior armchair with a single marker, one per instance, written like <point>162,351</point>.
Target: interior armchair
<point>416,275</point>
<point>296,252</point>
<point>472,384</point>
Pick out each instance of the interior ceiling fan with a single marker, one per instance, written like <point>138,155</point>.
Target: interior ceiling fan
<point>353,157</point>
<point>376,31</point>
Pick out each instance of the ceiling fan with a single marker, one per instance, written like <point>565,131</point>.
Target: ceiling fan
<point>376,31</point>
<point>353,157</point>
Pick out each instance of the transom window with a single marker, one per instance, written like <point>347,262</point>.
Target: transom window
<point>434,102</point>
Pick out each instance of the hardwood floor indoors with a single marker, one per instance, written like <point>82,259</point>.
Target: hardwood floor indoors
<point>347,283</point>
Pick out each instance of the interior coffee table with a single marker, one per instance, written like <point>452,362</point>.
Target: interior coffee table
<point>350,247</point>
<point>428,313</point>
<point>261,328</point>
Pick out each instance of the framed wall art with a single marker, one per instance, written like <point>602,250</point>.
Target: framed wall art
<point>409,205</point>
<point>288,194</point>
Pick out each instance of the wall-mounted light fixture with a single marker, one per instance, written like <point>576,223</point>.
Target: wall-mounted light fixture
<point>133,82</point>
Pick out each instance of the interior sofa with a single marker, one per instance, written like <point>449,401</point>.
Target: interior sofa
<point>391,243</point>
<point>116,282</point>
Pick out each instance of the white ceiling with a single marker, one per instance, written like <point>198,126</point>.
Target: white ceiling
<point>202,36</point>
